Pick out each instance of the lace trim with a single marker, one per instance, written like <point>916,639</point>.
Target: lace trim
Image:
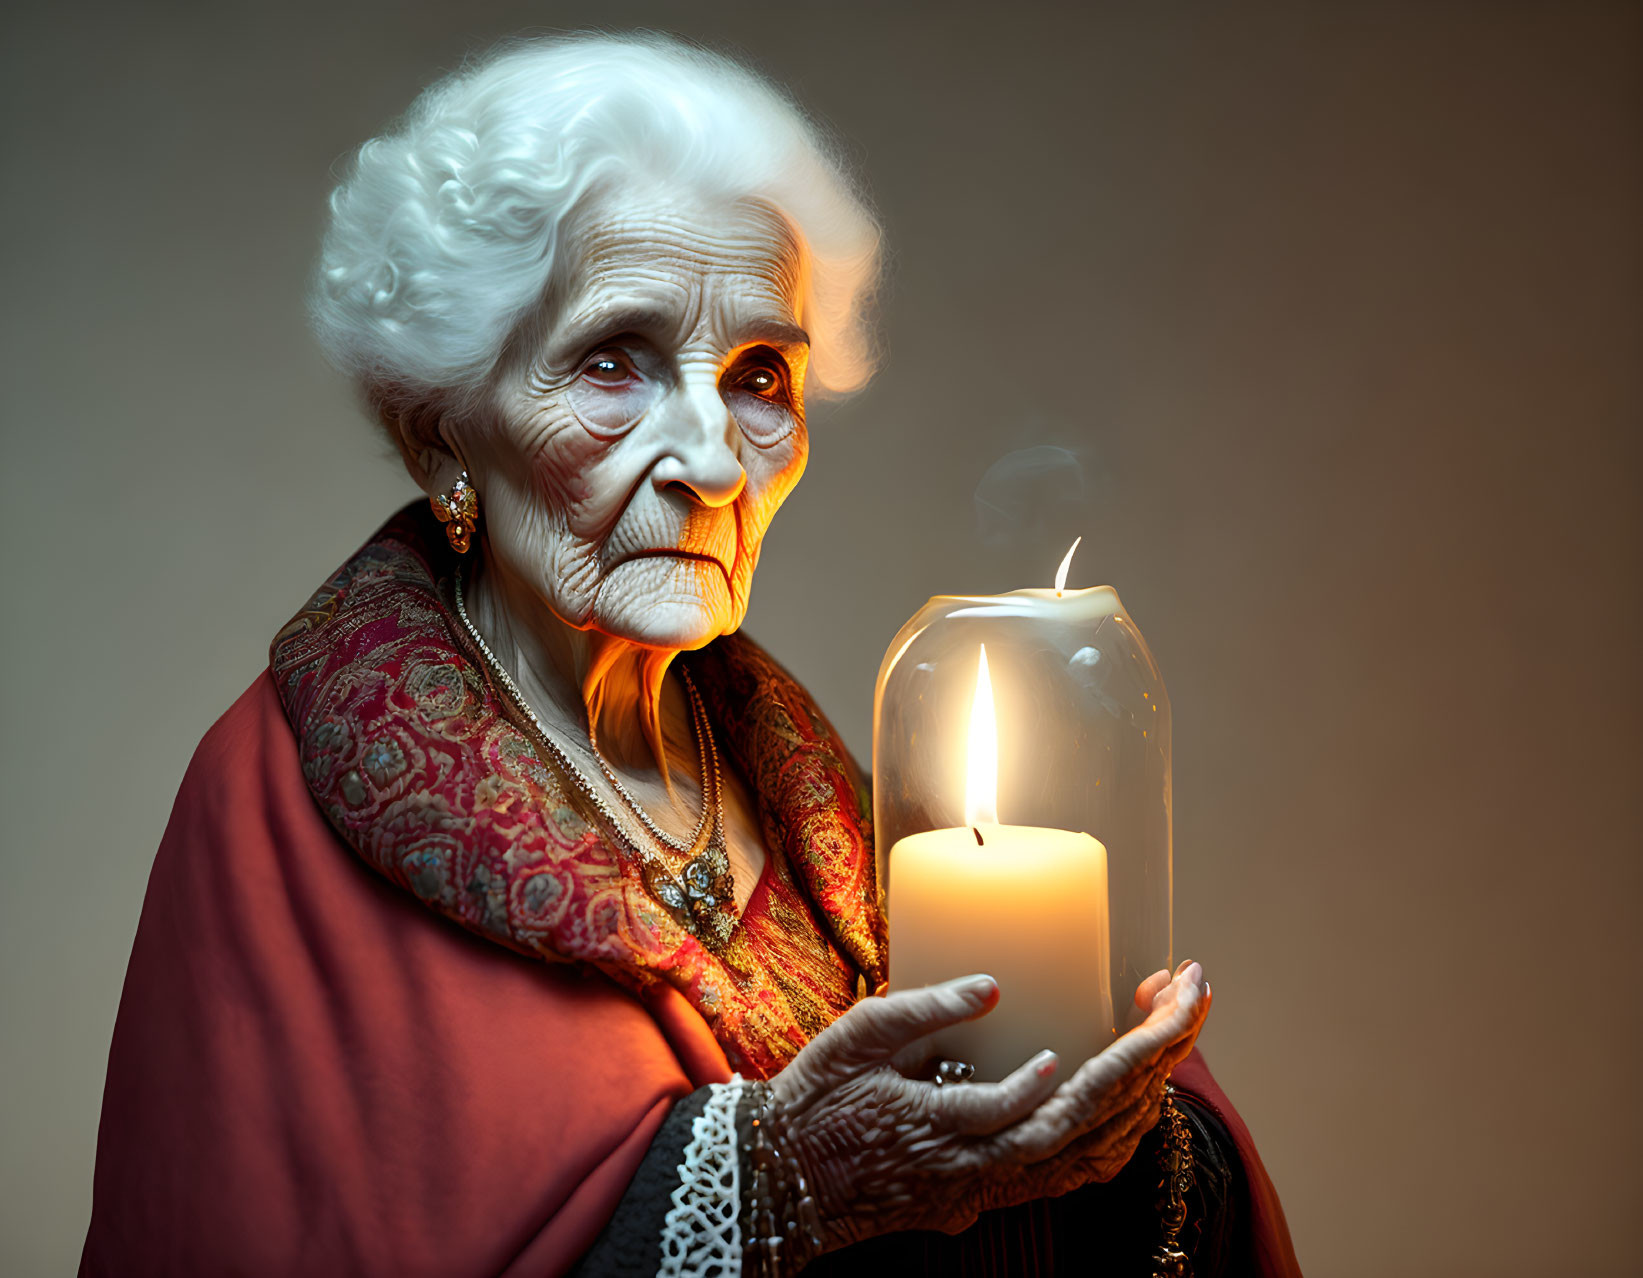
<point>702,1236</point>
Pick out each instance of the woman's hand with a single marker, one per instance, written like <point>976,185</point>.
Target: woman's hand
<point>883,1152</point>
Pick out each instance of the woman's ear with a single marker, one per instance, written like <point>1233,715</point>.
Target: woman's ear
<point>426,446</point>
<point>441,459</point>
<point>436,471</point>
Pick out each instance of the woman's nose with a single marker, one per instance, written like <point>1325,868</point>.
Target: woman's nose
<point>701,462</point>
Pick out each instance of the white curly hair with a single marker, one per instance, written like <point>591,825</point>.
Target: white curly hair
<point>444,231</point>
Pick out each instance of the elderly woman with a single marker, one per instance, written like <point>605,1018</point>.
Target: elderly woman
<point>585,286</point>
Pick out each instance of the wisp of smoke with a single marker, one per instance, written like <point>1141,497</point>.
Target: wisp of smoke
<point>1027,494</point>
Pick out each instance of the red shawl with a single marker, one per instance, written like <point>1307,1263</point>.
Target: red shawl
<point>314,1073</point>
<point>427,772</point>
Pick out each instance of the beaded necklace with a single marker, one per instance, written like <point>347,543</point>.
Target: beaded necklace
<point>699,893</point>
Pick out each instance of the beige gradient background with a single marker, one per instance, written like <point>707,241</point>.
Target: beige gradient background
<point>1340,306</point>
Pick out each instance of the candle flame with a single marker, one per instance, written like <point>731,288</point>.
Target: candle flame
<point>1061,572</point>
<point>981,788</point>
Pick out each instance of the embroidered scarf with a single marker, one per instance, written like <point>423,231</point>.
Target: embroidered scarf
<point>424,770</point>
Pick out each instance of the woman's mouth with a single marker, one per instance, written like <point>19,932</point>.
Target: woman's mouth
<point>673,552</point>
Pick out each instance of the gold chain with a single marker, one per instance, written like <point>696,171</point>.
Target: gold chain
<point>1175,1161</point>
<point>700,896</point>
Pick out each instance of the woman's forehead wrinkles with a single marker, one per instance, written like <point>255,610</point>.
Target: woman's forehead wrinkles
<point>727,303</point>
<point>666,264</point>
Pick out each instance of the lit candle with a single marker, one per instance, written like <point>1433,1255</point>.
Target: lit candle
<point>1025,904</point>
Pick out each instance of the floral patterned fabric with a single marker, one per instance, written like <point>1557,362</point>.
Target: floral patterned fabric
<point>421,766</point>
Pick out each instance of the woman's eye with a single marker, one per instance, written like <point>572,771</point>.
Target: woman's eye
<point>761,380</point>
<point>608,368</point>
<point>759,392</point>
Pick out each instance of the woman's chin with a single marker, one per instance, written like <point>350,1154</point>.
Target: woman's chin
<point>683,636</point>
<point>680,604</point>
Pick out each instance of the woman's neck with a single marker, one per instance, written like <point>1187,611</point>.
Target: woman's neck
<point>579,677</point>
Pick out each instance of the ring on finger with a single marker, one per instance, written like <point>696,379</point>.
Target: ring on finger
<point>954,1072</point>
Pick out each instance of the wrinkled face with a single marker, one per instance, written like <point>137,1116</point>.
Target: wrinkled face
<point>640,451</point>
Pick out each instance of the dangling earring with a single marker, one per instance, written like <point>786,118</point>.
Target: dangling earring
<point>458,510</point>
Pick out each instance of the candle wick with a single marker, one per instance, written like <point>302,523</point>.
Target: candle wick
<point>977,833</point>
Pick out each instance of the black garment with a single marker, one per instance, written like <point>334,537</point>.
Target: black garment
<point>1100,1229</point>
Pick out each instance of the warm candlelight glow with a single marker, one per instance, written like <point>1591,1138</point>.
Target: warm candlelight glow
<point>981,789</point>
<point>1061,572</point>
<point>1027,903</point>
<point>1017,884</point>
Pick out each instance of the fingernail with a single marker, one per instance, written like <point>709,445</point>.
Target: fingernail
<point>1195,974</point>
<point>980,988</point>
<point>1044,1064</point>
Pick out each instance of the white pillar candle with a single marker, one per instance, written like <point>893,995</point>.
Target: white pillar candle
<point>1027,906</point>
<point>1024,904</point>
